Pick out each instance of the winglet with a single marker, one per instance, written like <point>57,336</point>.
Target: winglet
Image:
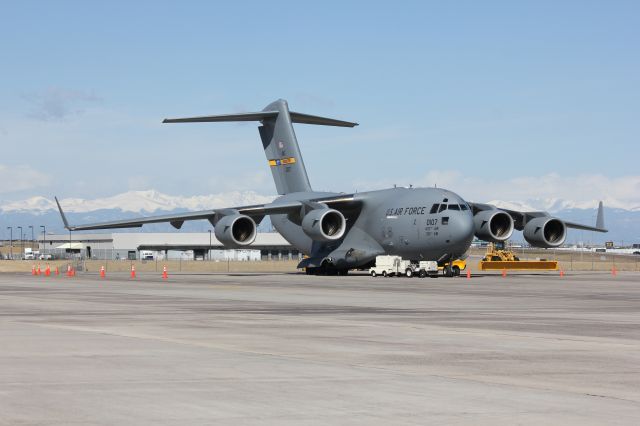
<point>600,217</point>
<point>64,218</point>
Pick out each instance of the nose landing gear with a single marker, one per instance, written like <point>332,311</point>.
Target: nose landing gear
<point>451,268</point>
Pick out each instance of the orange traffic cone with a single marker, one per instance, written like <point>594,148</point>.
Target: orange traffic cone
<point>102,272</point>
<point>613,271</point>
<point>164,272</point>
<point>57,271</point>
<point>69,274</point>
<point>468,273</point>
<point>561,273</point>
<point>38,271</point>
<point>133,272</point>
<point>47,271</point>
<point>504,273</point>
<point>33,269</point>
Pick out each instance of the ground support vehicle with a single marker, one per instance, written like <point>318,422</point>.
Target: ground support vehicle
<point>497,258</point>
<point>427,268</point>
<point>389,266</point>
<point>456,266</point>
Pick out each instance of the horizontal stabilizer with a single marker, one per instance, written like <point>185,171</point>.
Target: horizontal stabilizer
<point>296,117</point>
<point>245,116</point>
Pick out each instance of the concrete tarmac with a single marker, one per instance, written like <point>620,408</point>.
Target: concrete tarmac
<point>287,349</point>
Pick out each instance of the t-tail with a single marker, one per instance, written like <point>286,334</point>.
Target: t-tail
<point>278,139</point>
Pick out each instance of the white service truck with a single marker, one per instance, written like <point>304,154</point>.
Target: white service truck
<point>146,255</point>
<point>30,254</point>
<point>389,266</point>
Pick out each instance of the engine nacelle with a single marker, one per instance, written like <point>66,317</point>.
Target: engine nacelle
<point>493,225</point>
<point>324,224</point>
<point>545,232</point>
<point>236,230</point>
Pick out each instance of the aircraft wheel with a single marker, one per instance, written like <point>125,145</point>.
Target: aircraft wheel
<point>409,272</point>
<point>422,273</point>
<point>384,274</point>
<point>343,272</point>
<point>373,274</point>
<point>456,271</point>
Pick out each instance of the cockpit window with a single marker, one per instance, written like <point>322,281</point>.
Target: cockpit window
<point>443,207</point>
<point>464,207</point>
<point>454,207</point>
<point>434,208</point>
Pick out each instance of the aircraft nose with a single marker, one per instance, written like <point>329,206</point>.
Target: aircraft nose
<point>461,229</point>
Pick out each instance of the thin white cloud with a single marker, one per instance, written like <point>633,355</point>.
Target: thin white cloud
<point>57,103</point>
<point>308,99</point>
<point>21,178</point>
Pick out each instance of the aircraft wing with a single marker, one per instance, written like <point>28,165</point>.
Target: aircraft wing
<point>520,219</point>
<point>257,212</point>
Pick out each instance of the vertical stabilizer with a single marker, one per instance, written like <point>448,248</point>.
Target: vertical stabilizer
<point>282,150</point>
<point>278,139</point>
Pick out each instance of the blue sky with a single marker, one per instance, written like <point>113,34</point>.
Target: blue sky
<point>465,94</point>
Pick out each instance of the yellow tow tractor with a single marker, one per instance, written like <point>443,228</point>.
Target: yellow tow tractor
<point>456,266</point>
<point>498,258</point>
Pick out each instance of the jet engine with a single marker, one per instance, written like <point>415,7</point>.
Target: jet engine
<point>324,224</point>
<point>493,225</point>
<point>236,230</point>
<point>545,232</point>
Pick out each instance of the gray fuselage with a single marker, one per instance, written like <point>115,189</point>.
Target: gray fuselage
<point>396,221</point>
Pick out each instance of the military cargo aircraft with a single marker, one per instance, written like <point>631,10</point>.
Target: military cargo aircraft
<point>339,231</point>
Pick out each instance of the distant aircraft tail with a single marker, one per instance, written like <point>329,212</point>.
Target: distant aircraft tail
<point>278,139</point>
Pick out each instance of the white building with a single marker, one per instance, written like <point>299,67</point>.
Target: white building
<point>186,246</point>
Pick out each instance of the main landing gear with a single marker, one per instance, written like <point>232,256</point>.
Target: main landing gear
<point>326,271</point>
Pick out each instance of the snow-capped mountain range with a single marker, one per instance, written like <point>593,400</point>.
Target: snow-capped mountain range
<point>138,202</point>
<point>152,201</point>
<point>553,205</point>
<point>623,223</point>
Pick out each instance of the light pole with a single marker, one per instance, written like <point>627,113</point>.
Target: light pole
<point>10,228</point>
<point>21,241</point>
<point>32,238</point>
<point>209,255</point>
<point>44,239</point>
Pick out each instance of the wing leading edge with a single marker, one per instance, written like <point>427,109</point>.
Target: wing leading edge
<point>520,219</point>
<point>256,212</point>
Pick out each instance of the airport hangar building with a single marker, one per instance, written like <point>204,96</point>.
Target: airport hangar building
<point>185,246</point>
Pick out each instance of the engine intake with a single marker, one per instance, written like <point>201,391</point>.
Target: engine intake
<point>236,231</point>
<point>493,225</point>
<point>545,232</point>
<point>324,224</point>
